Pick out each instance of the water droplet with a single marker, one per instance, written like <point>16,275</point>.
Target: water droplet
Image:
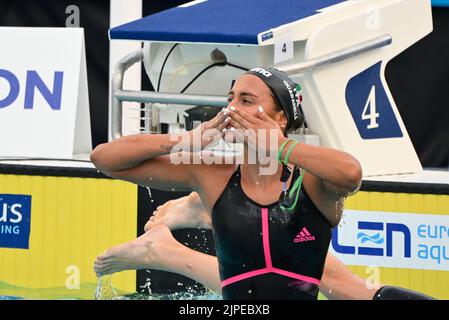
<point>149,193</point>
<point>180,284</point>
<point>172,189</point>
<point>249,291</point>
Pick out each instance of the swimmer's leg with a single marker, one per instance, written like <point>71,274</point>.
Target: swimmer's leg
<point>339,283</point>
<point>185,212</point>
<point>158,249</point>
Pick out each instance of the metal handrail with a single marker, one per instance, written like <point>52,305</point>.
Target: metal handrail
<point>171,98</point>
<point>117,84</point>
<point>119,95</point>
<point>338,55</point>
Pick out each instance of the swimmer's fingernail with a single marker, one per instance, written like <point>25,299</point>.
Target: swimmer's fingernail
<point>232,108</point>
<point>232,129</point>
<point>260,109</point>
<point>224,130</point>
<point>225,112</point>
<point>227,119</point>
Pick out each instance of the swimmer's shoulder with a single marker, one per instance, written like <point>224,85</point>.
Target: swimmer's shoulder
<point>212,181</point>
<point>215,176</point>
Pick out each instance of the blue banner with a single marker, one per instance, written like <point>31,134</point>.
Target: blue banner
<point>15,217</point>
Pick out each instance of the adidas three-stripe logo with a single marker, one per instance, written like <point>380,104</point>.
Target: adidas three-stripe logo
<point>303,236</point>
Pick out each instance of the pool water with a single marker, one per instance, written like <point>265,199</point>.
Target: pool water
<point>174,296</point>
<point>10,298</point>
<point>103,290</point>
<point>136,296</point>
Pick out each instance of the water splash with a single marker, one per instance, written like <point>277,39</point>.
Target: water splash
<point>174,296</point>
<point>146,287</point>
<point>104,290</point>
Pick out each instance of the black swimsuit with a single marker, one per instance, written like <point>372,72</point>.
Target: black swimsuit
<point>264,253</point>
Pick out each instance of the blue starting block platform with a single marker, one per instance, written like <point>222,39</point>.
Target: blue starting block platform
<point>220,21</point>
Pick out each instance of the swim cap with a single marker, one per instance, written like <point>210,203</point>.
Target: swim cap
<point>286,92</point>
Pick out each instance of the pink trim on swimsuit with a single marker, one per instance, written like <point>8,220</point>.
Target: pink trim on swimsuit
<point>269,264</point>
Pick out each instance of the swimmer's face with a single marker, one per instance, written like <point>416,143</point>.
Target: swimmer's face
<point>249,92</point>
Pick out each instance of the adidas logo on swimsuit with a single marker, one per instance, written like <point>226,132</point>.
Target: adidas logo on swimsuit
<point>303,236</point>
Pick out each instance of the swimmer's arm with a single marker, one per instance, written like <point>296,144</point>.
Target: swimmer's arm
<point>144,159</point>
<point>340,172</point>
<point>130,151</point>
<point>331,176</point>
<point>338,283</point>
<point>157,160</point>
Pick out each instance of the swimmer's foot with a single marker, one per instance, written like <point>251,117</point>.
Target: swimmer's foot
<point>185,212</point>
<point>145,252</point>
